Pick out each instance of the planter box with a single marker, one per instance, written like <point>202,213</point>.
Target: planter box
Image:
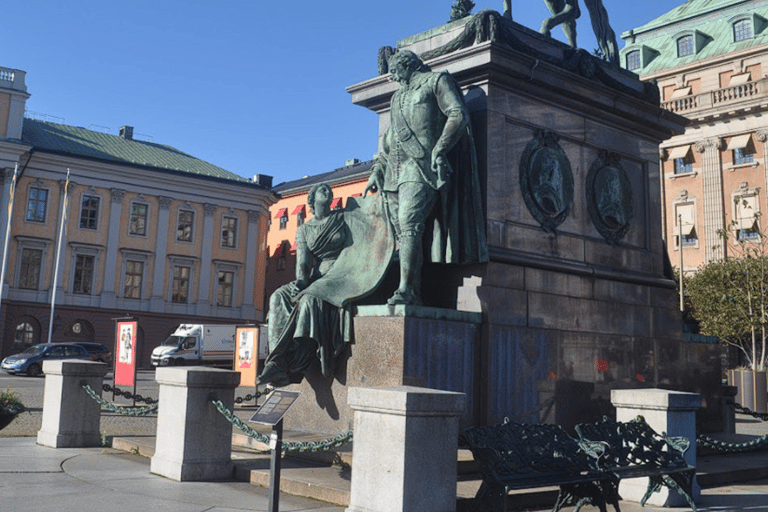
<point>5,420</point>
<point>753,388</point>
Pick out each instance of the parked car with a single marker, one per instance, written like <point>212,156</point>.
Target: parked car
<point>98,351</point>
<point>31,360</point>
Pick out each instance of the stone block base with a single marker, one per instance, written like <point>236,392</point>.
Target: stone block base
<point>394,346</point>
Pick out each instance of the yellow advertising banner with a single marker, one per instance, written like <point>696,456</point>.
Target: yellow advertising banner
<point>246,355</point>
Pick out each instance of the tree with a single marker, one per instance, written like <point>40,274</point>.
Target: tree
<point>461,9</point>
<point>729,297</point>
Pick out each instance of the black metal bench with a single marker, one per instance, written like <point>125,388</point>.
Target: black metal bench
<point>516,456</point>
<point>633,449</point>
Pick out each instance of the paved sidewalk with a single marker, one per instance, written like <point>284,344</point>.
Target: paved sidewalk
<point>34,477</point>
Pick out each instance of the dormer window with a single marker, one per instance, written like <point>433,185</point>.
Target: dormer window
<point>742,30</point>
<point>685,46</point>
<point>633,60</point>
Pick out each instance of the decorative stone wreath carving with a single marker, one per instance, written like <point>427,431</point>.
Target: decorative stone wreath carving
<point>546,180</point>
<point>609,197</point>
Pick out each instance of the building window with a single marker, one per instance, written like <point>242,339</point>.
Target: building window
<point>685,225</point>
<point>29,270</point>
<point>37,204</point>
<point>184,226</point>
<point>225,288</point>
<point>284,222</point>
<point>300,219</point>
<point>83,278</point>
<point>139,214</point>
<point>743,156</point>
<point>683,165</point>
<point>685,46</point>
<point>742,30</point>
<point>229,232</point>
<point>283,249</point>
<point>746,214</point>
<point>134,274</point>
<point>633,60</point>
<point>24,336</point>
<point>180,291</point>
<point>89,213</point>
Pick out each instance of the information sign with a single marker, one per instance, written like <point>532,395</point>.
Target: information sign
<point>273,410</point>
<point>125,352</point>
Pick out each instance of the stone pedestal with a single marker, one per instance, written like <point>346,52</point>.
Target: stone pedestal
<point>672,412</point>
<point>71,418</point>
<point>405,446</point>
<point>194,441</point>
<point>394,346</point>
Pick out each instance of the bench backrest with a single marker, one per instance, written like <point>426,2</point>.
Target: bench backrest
<point>635,443</point>
<point>519,450</point>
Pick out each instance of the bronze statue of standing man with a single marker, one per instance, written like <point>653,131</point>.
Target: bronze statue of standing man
<point>427,172</point>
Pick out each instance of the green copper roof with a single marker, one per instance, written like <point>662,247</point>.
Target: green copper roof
<point>711,22</point>
<point>79,142</point>
<point>689,9</point>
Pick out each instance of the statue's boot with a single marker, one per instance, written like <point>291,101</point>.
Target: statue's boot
<point>411,260</point>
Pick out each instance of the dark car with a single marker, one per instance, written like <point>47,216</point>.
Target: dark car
<point>31,360</point>
<point>98,351</point>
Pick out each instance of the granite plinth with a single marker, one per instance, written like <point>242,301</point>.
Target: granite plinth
<point>394,346</point>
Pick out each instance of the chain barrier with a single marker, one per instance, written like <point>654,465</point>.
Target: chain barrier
<point>125,411</point>
<point>745,410</point>
<point>259,394</point>
<point>722,446</point>
<point>307,446</point>
<point>128,394</point>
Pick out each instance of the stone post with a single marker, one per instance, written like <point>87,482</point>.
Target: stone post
<point>71,418</point>
<point>405,448</point>
<point>194,441</point>
<point>671,412</point>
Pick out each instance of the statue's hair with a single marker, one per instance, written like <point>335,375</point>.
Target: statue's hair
<point>411,60</point>
<point>313,191</point>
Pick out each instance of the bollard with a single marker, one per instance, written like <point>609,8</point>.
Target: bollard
<point>671,412</point>
<point>194,441</point>
<point>405,447</point>
<point>71,418</point>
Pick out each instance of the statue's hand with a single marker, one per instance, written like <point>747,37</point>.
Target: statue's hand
<point>374,183</point>
<point>441,166</point>
<point>299,285</point>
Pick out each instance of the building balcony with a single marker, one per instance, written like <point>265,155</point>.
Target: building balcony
<point>720,101</point>
<point>12,79</point>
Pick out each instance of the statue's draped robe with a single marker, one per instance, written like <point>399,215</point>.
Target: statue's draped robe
<point>352,250</point>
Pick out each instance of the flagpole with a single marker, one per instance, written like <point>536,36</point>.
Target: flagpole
<point>680,242</point>
<point>8,230</point>
<point>58,256</point>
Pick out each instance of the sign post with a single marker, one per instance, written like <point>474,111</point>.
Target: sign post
<point>272,413</point>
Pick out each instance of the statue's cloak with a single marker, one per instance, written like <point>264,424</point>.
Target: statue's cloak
<point>456,234</point>
<point>362,263</point>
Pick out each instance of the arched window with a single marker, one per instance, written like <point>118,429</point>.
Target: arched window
<point>742,30</point>
<point>633,60</point>
<point>24,335</point>
<point>685,45</point>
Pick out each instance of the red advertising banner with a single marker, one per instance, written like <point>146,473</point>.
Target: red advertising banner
<point>125,353</point>
<point>246,355</point>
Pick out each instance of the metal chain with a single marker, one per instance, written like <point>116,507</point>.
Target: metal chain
<point>309,446</point>
<point>722,446</point>
<point>125,411</point>
<point>746,410</point>
<point>259,394</point>
<point>128,394</point>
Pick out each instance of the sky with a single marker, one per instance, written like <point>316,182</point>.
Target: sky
<point>253,86</point>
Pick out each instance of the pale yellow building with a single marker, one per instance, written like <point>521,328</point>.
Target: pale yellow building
<point>151,232</point>
<point>709,59</point>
